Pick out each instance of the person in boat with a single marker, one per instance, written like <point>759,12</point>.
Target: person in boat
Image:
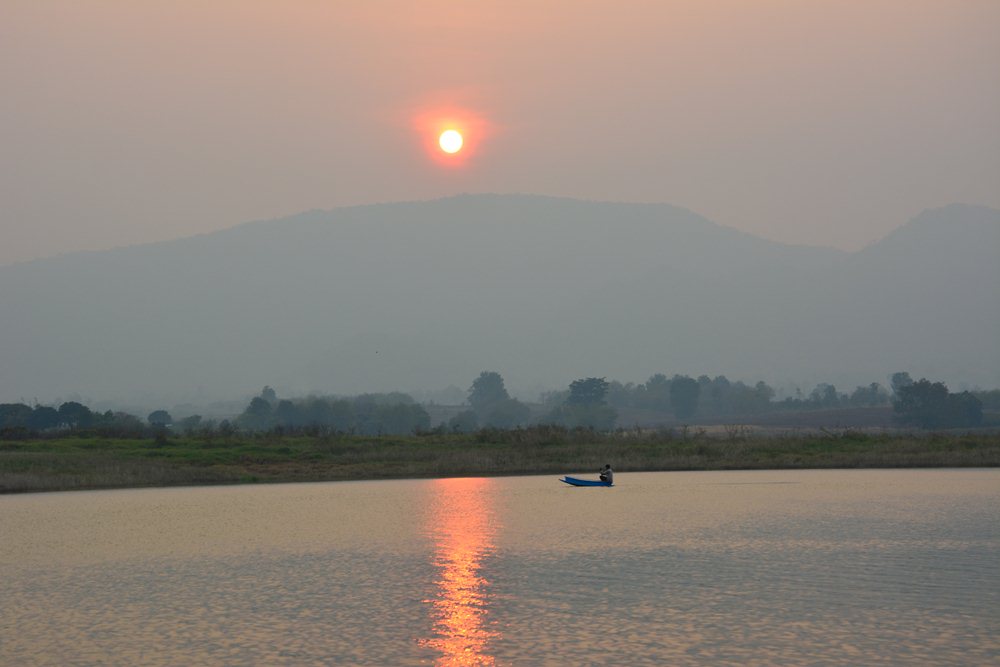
<point>607,474</point>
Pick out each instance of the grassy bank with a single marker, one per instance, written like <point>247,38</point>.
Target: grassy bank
<point>89,462</point>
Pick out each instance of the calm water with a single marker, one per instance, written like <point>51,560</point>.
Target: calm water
<point>792,567</point>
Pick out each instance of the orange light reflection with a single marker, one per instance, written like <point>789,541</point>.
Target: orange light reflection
<point>462,524</point>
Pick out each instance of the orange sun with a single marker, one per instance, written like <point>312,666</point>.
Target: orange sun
<point>450,141</point>
<point>452,137</point>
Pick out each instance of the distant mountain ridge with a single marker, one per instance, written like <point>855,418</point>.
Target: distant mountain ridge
<point>543,290</point>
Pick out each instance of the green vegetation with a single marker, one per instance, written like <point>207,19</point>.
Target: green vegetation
<point>377,436</point>
<point>929,405</point>
<point>592,402</point>
<point>492,406</point>
<point>394,413</point>
<point>585,407</point>
<point>87,462</point>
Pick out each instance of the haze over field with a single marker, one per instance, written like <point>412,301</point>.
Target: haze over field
<point>426,294</point>
<point>769,160</point>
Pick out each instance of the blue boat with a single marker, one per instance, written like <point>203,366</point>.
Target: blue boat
<point>573,481</point>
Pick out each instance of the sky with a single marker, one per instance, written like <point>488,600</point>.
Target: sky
<point>827,122</point>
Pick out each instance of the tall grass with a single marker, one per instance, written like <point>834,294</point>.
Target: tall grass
<point>93,462</point>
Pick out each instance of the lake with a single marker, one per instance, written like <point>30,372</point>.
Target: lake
<point>895,567</point>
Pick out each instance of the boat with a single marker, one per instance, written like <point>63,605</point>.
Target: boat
<point>573,481</point>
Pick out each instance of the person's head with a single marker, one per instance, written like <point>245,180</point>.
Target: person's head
<point>607,466</point>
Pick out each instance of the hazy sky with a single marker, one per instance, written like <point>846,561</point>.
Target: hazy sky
<point>807,121</point>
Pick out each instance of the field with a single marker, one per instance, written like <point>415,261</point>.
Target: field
<point>68,463</point>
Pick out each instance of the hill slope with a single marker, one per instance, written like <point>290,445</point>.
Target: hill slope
<point>543,290</point>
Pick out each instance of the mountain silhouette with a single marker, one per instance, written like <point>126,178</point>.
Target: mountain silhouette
<point>543,290</point>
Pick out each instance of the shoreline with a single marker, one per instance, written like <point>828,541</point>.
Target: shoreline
<point>555,477</point>
<point>91,463</point>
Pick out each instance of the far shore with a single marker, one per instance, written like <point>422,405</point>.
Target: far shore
<point>77,463</point>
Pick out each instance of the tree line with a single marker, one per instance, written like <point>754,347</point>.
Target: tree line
<point>393,413</point>
<point>687,397</point>
<point>594,402</point>
<point>18,419</point>
<point>591,403</point>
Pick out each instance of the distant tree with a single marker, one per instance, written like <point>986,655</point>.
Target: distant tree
<point>764,393</point>
<point>75,415</point>
<point>464,422</point>
<point>656,394</point>
<point>921,403</point>
<point>486,391</point>
<point>316,411</point>
<point>226,428</point>
<point>965,409</point>
<point>508,414</point>
<point>121,424</point>
<point>741,398</point>
<point>587,391</point>
<point>929,405</point>
<point>258,415</point>
<point>334,413</point>
<point>365,420</point>
<point>43,418</point>
<point>585,406</point>
<point>286,414</point>
<point>573,415</point>
<point>869,396</point>
<point>898,381</point>
<point>14,415</point>
<point>552,399</point>
<point>259,407</point>
<point>704,395</point>
<point>989,398</point>
<point>269,395</point>
<point>379,414</point>
<point>684,392</point>
<point>160,418</point>
<point>189,424</point>
<point>341,415</point>
<point>366,414</point>
<point>621,395</point>
<point>397,419</point>
<point>824,396</point>
<point>718,394</point>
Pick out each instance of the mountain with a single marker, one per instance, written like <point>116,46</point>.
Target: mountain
<point>543,290</point>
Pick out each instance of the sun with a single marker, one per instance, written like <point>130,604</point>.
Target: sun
<point>450,141</point>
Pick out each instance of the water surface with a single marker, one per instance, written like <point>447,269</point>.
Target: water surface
<point>790,567</point>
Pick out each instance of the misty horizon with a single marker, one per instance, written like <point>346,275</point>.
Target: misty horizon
<point>369,314</point>
<point>203,199</point>
<point>305,212</point>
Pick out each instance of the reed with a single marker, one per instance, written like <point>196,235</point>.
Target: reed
<point>68,463</point>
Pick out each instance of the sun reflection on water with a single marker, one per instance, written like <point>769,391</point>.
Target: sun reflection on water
<point>462,524</point>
